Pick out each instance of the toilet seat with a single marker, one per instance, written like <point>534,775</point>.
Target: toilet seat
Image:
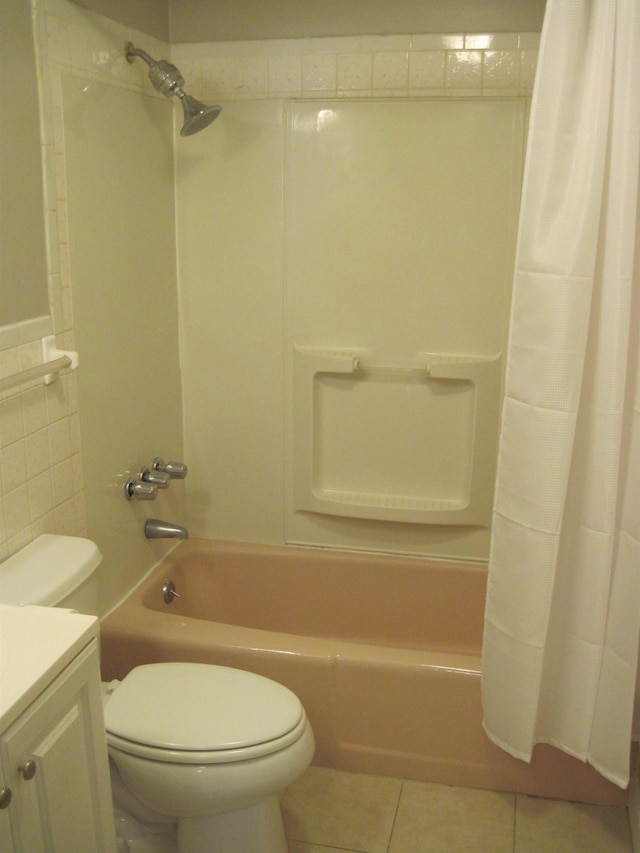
<point>201,714</point>
<point>218,756</point>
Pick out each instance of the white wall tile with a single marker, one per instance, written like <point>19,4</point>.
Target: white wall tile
<point>319,72</point>
<point>434,41</point>
<point>59,441</point>
<point>34,409</point>
<point>529,41</point>
<point>285,75</point>
<point>355,72</point>
<point>385,44</point>
<point>463,69</point>
<point>491,41</point>
<point>38,455</point>
<point>14,465</point>
<point>391,71</point>
<point>57,398</point>
<point>426,69</point>
<point>17,512</point>
<point>529,61</point>
<point>11,421</point>
<point>40,496</point>
<point>501,69</point>
<point>63,481</point>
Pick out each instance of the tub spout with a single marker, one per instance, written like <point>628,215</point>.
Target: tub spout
<point>156,529</point>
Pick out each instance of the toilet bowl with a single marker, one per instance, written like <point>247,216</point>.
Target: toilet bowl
<point>210,747</point>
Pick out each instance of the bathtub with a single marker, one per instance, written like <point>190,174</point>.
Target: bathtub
<point>384,653</point>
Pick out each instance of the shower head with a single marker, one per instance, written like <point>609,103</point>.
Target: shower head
<point>197,116</point>
<point>167,79</point>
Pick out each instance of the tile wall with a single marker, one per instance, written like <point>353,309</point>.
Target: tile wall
<point>40,466</point>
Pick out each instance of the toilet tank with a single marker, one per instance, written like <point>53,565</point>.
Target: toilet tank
<point>53,571</point>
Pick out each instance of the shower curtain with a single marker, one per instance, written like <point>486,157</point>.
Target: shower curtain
<point>563,604</point>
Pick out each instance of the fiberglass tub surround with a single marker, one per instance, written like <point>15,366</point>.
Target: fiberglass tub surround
<point>392,414</point>
<point>383,651</point>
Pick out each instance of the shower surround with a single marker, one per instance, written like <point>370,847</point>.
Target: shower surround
<point>270,347</point>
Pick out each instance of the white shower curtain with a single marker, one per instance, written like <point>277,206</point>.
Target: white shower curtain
<point>563,602</point>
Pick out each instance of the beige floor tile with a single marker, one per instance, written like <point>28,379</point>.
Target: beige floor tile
<point>438,819</point>
<point>554,826</point>
<point>345,810</point>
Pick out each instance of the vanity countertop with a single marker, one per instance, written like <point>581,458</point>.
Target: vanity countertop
<point>36,643</point>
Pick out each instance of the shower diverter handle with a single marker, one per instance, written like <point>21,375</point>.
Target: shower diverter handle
<point>176,470</point>
<point>157,478</point>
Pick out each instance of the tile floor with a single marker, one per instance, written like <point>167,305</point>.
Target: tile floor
<point>330,811</point>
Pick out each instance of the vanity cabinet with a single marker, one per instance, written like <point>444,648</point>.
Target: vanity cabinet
<point>53,759</point>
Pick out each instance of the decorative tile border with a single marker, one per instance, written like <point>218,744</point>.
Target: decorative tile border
<point>367,66</point>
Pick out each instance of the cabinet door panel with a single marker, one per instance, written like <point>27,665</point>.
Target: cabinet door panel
<point>6,836</point>
<point>61,808</point>
<point>65,784</point>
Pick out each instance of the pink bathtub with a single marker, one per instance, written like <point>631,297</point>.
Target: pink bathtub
<point>384,653</point>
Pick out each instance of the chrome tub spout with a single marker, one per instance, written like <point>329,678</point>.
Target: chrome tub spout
<point>156,529</point>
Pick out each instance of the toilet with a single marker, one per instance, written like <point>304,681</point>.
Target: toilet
<point>210,747</point>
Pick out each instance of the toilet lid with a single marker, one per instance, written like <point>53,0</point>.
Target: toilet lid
<point>200,707</point>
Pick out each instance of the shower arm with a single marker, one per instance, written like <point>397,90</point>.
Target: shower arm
<point>131,52</point>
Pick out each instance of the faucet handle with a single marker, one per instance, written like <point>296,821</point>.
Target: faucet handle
<point>141,491</point>
<point>157,478</point>
<point>176,470</point>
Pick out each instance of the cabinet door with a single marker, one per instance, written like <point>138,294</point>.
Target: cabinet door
<point>6,838</point>
<point>66,805</point>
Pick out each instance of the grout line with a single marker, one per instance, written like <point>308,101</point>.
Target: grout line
<point>327,846</point>
<point>395,816</point>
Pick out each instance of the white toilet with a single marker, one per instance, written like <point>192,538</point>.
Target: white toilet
<point>210,746</point>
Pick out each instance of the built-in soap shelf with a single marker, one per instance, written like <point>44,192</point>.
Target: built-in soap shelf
<point>410,442</point>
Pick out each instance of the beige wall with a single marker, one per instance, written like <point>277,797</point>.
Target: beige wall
<point>147,16</point>
<point>241,20</point>
<point>220,20</point>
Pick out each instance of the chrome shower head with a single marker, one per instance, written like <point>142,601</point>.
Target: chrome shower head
<point>197,116</point>
<point>167,79</point>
